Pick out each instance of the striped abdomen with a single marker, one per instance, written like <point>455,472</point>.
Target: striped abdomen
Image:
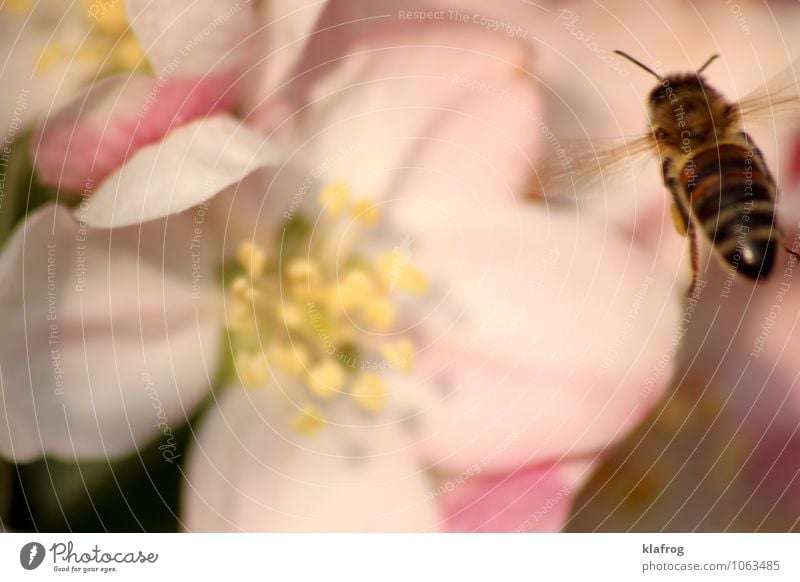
<point>731,196</point>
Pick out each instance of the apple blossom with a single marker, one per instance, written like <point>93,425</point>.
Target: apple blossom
<point>414,348</point>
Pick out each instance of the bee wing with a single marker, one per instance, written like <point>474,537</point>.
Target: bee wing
<point>781,94</point>
<point>576,165</point>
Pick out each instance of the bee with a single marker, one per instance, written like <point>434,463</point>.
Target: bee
<point>720,184</point>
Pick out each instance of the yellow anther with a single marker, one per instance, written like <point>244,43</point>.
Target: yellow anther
<point>290,359</point>
<point>380,312</point>
<point>366,212</point>
<point>252,258</point>
<point>397,274</point>
<point>49,56</point>
<point>390,267</point>
<point>241,288</point>
<point>355,289</point>
<point>18,6</point>
<point>326,379</point>
<point>292,315</point>
<point>253,369</point>
<point>93,51</point>
<point>399,354</point>
<point>343,334</point>
<point>369,392</point>
<point>309,421</point>
<point>304,271</point>
<point>314,318</point>
<point>107,15</point>
<point>240,316</point>
<point>128,53</point>
<point>413,281</point>
<point>335,197</point>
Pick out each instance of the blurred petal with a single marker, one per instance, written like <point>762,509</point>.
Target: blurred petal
<point>189,166</point>
<point>532,499</point>
<point>250,472</point>
<point>30,88</point>
<point>107,346</point>
<point>191,38</point>
<point>367,116</point>
<point>553,336</point>
<point>285,31</point>
<point>86,141</point>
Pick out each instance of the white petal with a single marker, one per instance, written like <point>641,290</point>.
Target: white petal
<point>283,35</point>
<point>249,472</point>
<point>106,345</point>
<point>83,143</point>
<point>189,166</point>
<point>30,93</point>
<point>191,37</point>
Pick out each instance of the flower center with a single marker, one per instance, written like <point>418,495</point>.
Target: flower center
<point>330,326</point>
<point>110,44</point>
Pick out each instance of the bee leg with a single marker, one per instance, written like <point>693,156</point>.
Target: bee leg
<point>694,253</point>
<point>684,225</point>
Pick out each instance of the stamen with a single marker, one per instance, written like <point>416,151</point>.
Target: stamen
<point>309,421</point>
<point>298,316</point>
<point>128,53</point>
<point>49,56</point>
<point>107,15</point>
<point>93,51</point>
<point>19,6</point>
<point>397,273</point>
<point>292,360</point>
<point>109,44</point>
<point>326,379</point>
<point>292,316</point>
<point>252,258</point>
<point>369,392</point>
<point>334,198</point>
<point>304,271</point>
<point>380,313</point>
<point>366,212</point>
<point>399,354</point>
<point>253,369</point>
<point>355,288</point>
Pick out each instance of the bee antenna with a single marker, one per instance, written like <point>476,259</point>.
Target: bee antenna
<point>708,62</point>
<point>645,67</point>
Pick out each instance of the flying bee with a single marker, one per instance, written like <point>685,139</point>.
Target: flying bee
<point>719,182</point>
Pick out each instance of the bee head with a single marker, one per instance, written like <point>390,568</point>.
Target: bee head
<point>684,107</point>
<point>684,110</point>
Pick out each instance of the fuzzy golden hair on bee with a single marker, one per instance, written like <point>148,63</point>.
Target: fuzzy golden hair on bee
<point>685,105</point>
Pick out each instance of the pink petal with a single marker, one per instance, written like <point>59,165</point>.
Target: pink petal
<point>191,38</point>
<point>533,499</point>
<point>295,39</point>
<point>86,141</point>
<point>371,115</point>
<point>552,335</point>
<point>249,471</point>
<point>108,345</point>
<point>189,166</point>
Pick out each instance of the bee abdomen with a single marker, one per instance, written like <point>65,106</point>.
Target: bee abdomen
<point>734,201</point>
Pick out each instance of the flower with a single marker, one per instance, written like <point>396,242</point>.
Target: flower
<point>113,132</point>
<point>520,343</point>
<point>54,48</point>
